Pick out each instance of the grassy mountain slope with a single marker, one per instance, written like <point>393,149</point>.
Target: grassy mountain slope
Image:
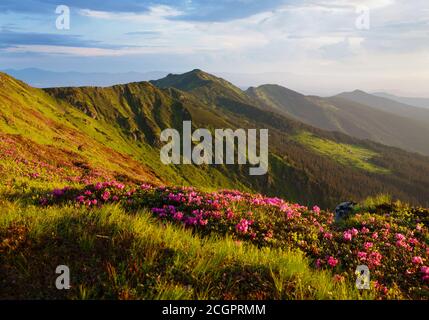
<point>301,162</point>
<point>294,105</point>
<point>128,118</point>
<point>144,242</point>
<point>62,149</point>
<point>347,116</point>
<point>32,123</point>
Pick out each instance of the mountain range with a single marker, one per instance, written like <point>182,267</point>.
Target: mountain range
<point>115,130</point>
<point>412,101</point>
<point>357,114</point>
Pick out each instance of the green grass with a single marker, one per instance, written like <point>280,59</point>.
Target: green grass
<point>115,255</point>
<point>348,155</point>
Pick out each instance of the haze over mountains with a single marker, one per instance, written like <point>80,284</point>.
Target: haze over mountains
<point>412,101</point>
<point>117,128</point>
<point>40,78</point>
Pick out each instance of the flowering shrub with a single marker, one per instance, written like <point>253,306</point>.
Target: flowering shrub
<point>393,243</point>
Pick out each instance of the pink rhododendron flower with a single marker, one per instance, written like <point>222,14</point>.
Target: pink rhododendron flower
<point>368,245</point>
<point>424,270</point>
<point>362,256</point>
<point>316,210</point>
<point>242,226</point>
<point>328,235</point>
<point>374,259</point>
<point>347,236</point>
<point>332,261</point>
<point>178,216</point>
<point>417,260</point>
<point>399,237</point>
<point>105,196</point>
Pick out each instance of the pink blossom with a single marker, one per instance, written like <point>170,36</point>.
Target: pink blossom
<point>368,245</point>
<point>229,214</point>
<point>413,241</point>
<point>362,256</point>
<point>242,226</point>
<point>332,261</point>
<point>347,236</point>
<point>178,216</point>
<point>417,260</point>
<point>375,258</point>
<point>105,196</point>
<point>399,237</point>
<point>328,235</point>
<point>316,210</point>
<point>401,243</point>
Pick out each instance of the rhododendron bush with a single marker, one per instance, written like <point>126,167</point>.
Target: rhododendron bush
<point>392,241</point>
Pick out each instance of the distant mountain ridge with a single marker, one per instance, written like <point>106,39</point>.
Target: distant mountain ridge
<point>412,101</point>
<point>45,79</point>
<point>357,114</point>
<point>388,105</point>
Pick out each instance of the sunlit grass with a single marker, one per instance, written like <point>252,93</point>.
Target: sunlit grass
<point>345,154</point>
<point>133,256</point>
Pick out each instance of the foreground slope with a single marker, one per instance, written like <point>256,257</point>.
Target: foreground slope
<point>63,150</point>
<point>146,242</point>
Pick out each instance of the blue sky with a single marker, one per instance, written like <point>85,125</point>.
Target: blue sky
<point>308,45</point>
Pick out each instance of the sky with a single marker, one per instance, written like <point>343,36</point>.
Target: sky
<point>313,46</point>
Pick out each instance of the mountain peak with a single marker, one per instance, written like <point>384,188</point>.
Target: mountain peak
<point>195,80</point>
<point>358,91</point>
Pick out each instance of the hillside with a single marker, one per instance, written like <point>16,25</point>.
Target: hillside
<point>379,121</point>
<point>146,242</point>
<point>306,164</point>
<point>82,185</point>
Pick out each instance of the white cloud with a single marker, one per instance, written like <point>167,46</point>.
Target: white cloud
<point>317,39</point>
